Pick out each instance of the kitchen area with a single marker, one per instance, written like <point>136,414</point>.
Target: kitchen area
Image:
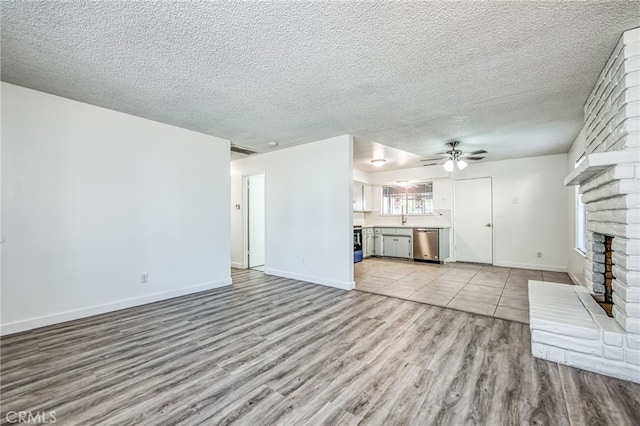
<point>402,221</point>
<point>404,234</point>
<point>427,244</point>
<point>403,249</point>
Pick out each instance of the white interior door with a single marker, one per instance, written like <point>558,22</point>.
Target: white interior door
<point>256,220</point>
<point>473,221</point>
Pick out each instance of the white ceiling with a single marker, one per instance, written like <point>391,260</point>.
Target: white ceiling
<point>508,77</point>
<point>364,151</point>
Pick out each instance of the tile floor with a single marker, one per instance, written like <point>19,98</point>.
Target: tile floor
<point>482,289</point>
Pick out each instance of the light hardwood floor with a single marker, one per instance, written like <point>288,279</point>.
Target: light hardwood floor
<point>270,350</point>
<point>481,289</point>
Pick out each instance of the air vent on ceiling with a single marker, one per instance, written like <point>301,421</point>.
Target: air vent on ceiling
<point>242,150</point>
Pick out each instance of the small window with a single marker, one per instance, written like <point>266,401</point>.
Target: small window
<point>408,199</point>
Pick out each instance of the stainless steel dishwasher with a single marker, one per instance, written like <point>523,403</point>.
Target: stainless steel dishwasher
<point>426,245</point>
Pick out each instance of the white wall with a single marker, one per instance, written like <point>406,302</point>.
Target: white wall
<point>93,198</point>
<point>308,211</point>
<point>528,193</point>
<point>360,176</point>
<point>575,259</point>
<point>530,196</point>
<point>415,174</point>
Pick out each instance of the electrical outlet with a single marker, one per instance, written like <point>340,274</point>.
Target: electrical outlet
<point>144,278</point>
<point>539,254</point>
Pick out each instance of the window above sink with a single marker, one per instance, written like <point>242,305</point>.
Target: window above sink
<point>407,198</point>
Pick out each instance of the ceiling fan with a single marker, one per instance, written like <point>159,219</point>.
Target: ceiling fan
<point>454,156</point>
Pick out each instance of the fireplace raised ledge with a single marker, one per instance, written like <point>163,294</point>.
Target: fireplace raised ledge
<point>569,327</point>
<point>596,163</point>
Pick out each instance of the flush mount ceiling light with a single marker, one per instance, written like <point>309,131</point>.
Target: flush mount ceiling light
<point>272,143</point>
<point>379,162</point>
<point>455,157</point>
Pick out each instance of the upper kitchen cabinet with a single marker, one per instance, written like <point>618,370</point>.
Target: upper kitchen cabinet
<point>362,197</point>
<point>357,196</point>
<point>367,198</point>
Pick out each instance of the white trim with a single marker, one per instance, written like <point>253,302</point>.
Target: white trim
<point>245,216</point>
<point>237,265</point>
<point>575,279</point>
<point>311,279</point>
<point>30,324</point>
<point>551,268</point>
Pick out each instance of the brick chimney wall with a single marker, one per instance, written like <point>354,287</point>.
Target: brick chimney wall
<point>612,198</point>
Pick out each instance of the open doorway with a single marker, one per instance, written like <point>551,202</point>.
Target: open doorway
<point>255,186</point>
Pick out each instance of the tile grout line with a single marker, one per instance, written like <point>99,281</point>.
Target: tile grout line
<point>465,284</point>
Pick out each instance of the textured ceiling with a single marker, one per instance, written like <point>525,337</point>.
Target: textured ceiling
<point>508,77</point>
<point>364,151</point>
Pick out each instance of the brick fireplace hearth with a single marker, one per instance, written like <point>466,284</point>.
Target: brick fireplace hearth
<point>567,326</point>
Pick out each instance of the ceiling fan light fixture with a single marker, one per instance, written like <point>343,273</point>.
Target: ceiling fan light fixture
<point>448,165</point>
<point>378,162</point>
<point>462,164</point>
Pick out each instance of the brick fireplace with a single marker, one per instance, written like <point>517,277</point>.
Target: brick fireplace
<point>567,326</point>
<point>601,271</point>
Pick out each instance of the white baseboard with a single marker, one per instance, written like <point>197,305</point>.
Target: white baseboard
<point>311,279</point>
<point>32,323</point>
<point>237,265</point>
<point>575,279</point>
<point>552,268</point>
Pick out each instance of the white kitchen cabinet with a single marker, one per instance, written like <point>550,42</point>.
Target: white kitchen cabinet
<point>404,247</point>
<point>357,197</point>
<point>367,197</point>
<point>397,246</point>
<point>377,244</point>
<point>362,197</point>
<point>389,245</point>
<point>369,239</point>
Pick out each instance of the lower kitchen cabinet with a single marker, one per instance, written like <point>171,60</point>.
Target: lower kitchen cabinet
<point>369,247</point>
<point>397,246</point>
<point>377,245</point>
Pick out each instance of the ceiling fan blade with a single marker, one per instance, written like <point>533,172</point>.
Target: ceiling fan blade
<point>432,164</point>
<point>473,158</point>
<point>481,151</point>
<point>434,159</point>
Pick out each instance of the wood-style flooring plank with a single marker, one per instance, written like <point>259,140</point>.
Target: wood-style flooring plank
<point>275,351</point>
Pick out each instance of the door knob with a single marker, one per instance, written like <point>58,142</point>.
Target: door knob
<point>488,225</point>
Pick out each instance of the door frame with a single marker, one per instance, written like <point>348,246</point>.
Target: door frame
<point>245,217</point>
<point>455,218</point>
